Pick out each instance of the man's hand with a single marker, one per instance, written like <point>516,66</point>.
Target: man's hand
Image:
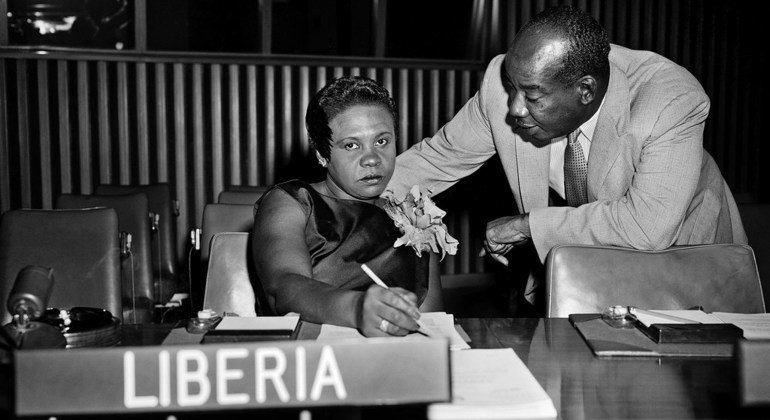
<point>505,233</point>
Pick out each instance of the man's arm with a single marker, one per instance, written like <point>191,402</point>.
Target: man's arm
<point>457,150</point>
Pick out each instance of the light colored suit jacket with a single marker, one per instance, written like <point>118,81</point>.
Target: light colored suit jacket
<point>650,182</point>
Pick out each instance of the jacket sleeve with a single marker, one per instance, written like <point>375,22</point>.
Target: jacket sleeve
<point>457,150</point>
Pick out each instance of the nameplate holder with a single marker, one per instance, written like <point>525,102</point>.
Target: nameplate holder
<point>231,376</point>
<point>753,359</point>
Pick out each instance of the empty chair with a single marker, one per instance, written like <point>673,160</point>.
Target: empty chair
<point>587,279</point>
<point>139,294</point>
<point>228,278</point>
<point>80,245</point>
<point>223,218</point>
<point>241,195</point>
<point>164,250</point>
<point>216,218</point>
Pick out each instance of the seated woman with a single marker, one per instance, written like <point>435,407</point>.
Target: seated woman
<point>309,240</point>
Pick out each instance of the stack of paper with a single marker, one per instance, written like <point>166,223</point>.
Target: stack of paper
<point>493,384</point>
<point>437,324</point>
<point>754,326</point>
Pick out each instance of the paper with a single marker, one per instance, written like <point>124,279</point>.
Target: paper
<point>754,326</point>
<point>438,324</point>
<point>492,384</point>
<point>648,317</point>
<point>258,323</point>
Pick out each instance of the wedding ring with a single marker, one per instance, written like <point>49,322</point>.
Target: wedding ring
<point>384,325</point>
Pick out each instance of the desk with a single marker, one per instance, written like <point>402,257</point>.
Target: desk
<point>580,385</point>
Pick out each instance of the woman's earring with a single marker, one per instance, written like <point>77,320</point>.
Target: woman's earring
<point>322,162</point>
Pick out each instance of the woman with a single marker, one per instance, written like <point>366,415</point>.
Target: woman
<point>310,240</point>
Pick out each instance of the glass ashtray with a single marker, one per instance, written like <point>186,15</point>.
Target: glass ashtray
<point>618,316</point>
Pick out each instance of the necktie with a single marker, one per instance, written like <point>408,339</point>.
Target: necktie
<point>575,170</point>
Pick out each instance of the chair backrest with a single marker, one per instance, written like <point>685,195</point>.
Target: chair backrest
<point>228,278</point>
<point>80,245</point>
<point>587,279</point>
<point>241,195</point>
<point>139,293</point>
<point>164,239</point>
<point>223,218</point>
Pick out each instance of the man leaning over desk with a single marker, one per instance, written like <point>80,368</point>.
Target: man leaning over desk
<point>633,174</point>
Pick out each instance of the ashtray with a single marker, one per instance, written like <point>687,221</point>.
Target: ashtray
<point>617,316</point>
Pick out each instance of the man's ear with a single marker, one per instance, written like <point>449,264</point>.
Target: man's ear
<point>587,86</point>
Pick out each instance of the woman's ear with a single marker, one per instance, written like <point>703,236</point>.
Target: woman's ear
<point>321,160</point>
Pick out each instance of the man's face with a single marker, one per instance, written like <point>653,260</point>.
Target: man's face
<point>542,107</point>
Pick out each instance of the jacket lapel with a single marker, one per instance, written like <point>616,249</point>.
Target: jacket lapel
<point>607,142</point>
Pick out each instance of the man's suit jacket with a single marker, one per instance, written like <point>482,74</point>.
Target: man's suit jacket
<point>650,182</point>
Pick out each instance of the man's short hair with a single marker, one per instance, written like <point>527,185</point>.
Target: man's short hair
<point>337,96</point>
<point>589,45</point>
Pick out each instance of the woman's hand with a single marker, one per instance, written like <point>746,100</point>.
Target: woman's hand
<point>387,312</point>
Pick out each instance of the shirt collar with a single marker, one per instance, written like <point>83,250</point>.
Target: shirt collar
<point>588,127</point>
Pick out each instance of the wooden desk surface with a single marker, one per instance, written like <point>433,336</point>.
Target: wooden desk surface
<point>580,385</point>
<point>585,387</point>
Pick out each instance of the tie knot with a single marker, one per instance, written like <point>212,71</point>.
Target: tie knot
<point>572,137</point>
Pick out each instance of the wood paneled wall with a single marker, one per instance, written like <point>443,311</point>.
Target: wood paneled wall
<point>73,120</point>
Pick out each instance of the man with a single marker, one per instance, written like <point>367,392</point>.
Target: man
<point>637,120</point>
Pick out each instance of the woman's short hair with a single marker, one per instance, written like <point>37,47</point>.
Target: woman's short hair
<point>337,96</point>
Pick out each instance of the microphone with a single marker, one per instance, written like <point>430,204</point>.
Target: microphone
<point>27,302</point>
<point>30,294</point>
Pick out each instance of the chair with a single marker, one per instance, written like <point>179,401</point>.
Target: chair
<point>228,284</point>
<point>139,294</point>
<point>587,279</point>
<point>82,247</point>
<point>164,250</point>
<point>241,195</point>
<point>216,218</point>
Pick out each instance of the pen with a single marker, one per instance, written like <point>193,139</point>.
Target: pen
<point>375,278</point>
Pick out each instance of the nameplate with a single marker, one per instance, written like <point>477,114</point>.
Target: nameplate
<point>754,372</point>
<point>230,376</point>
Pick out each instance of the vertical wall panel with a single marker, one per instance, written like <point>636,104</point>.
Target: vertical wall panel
<point>304,100</point>
<point>269,125</point>
<point>22,110</point>
<point>403,108</point>
<point>253,161</point>
<point>184,222</point>
<point>142,124</point>
<point>5,170</point>
<point>419,107</point>
<point>44,122</point>
<point>65,158</point>
<point>286,116</point>
<point>234,161</point>
<point>161,129</point>
<point>199,148</point>
<point>105,140</point>
<point>124,144</point>
<point>217,137</point>
<point>434,109</point>
<point>84,130</point>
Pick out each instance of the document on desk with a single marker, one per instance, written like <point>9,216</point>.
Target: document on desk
<point>439,324</point>
<point>754,326</point>
<point>492,384</point>
<point>258,323</point>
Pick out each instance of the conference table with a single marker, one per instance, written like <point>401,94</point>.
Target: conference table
<point>580,385</point>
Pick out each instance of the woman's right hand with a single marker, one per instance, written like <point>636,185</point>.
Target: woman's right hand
<point>387,312</point>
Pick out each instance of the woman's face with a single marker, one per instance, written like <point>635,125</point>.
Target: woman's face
<point>363,152</point>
